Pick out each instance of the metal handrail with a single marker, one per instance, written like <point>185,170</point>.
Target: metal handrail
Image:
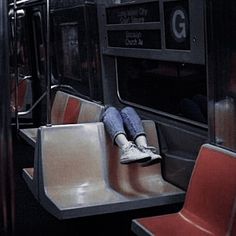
<point>23,113</point>
<point>21,81</point>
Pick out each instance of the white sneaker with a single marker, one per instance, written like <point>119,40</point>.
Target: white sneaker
<point>152,152</point>
<point>131,154</point>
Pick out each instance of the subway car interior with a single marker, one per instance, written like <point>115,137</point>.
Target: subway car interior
<point>63,62</point>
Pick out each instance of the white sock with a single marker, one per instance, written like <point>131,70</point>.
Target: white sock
<point>141,141</point>
<point>121,140</point>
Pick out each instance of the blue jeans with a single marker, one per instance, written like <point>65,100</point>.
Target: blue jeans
<point>119,122</point>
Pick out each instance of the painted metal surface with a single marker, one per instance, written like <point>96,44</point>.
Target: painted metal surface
<point>79,174</point>
<point>209,207</point>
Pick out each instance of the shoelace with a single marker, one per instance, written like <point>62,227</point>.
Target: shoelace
<point>153,149</point>
<point>129,146</point>
<point>149,148</point>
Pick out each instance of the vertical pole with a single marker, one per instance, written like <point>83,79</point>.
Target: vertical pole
<point>48,67</point>
<point>16,74</point>
<point>7,207</point>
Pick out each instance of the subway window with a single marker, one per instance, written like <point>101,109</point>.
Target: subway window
<point>39,43</point>
<point>70,48</point>
<point>76,59</point>
<point>176,89</point>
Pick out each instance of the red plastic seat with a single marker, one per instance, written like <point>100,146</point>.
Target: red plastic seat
<point>22,90</point>
<point>210,204</point>
<point>65,108</point>
<point>70,109</point>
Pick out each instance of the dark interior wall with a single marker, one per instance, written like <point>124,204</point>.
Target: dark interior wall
<point>6,171</point>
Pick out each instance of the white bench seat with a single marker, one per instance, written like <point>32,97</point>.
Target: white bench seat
<point>78,173</point>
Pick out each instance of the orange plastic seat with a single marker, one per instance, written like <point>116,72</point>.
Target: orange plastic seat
<point>22,90</point>
<point>70,109</point>
<point>67,109</point>
<point>210,204</point>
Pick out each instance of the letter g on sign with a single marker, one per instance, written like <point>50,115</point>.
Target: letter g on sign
<point>179,24</point>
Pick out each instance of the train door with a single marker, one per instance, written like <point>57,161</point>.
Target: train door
<point>75,47</point>
<point>39,85</point>
<point>28,61</point>
<point>20,65</point>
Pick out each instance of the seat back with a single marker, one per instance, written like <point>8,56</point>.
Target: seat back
<point>89,112</point>
<point>23,87</point>
<point>211,195</point>
<point>69,160</point>
<point>65,108</point>
<point>69,109</point>
<point>72,180</point>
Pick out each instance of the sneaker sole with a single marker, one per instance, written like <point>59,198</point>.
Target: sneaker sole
<point>141,160</point>
<point>151,162</point>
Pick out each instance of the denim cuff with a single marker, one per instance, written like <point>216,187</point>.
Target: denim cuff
<point>139,134</point>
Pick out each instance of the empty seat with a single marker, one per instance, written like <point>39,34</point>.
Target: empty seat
<point>89,112</point>
<point>74,174</point>
<point>210,204</point>
<point>67,109</point>
<point>71,169</point>
<point>23,90</point>
<point>30,174</point>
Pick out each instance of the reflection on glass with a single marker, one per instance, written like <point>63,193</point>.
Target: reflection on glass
<point>70,50</point>
<point>225,120</point>
<point>174,88</point>
<point>75,47</point>
<point>225,108</point>
<point>22,47</point>
<point>222,74</point>
<point>39,44</point>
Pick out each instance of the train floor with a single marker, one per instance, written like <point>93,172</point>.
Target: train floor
<point>32,219</point>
